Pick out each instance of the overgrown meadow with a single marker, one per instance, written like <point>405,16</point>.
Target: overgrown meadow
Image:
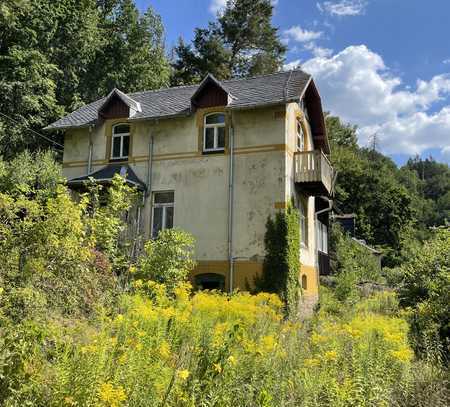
<point>83,323</point>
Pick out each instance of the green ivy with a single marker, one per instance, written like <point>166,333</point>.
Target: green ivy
<point>282,261</point>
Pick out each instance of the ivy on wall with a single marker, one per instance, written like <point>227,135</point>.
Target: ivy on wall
<point>282,261</point>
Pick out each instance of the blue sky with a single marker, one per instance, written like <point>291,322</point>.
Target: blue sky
<point>383,65</point>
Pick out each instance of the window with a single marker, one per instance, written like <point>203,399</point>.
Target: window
<point>300,137</point>
<point>214,132</point>
<point>120,145</point>
<point>322,237</point>
<point>303,209</point>
<point>163,205</point>
<point>210,281</point>
<point>304,282</point>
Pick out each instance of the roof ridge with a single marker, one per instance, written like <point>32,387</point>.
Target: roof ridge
<point>266,75</point>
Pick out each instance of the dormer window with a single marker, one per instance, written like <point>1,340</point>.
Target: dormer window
<point>214,132</point>
<point>120,146</point>
<point>300,137</point>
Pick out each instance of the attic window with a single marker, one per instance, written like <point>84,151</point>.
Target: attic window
<point>214,132</point>
<point>120,146</point>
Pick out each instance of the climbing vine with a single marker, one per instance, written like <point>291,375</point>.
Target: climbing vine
<point>282,263</point>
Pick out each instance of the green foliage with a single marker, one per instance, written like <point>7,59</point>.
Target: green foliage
<point>282,260</point>
<point>352,264</point>
<point>168,259</point>
<point>241,43</point>
<point>424,285</point>
<point>370,186</point>
<point>107,222</point>
<point>56,56</point>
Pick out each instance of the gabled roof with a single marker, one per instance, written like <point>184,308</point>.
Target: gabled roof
<point>208,80</point>
<point>131,103</point>
<point>106,174</point>
<point>259,91</point>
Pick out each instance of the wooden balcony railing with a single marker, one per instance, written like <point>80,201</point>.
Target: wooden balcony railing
<point>314,172</point>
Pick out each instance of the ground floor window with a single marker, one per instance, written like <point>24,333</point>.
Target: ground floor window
<point>210,281</point>
<point>322,237</point>
<point>163,207</point>
<point>303,211</point>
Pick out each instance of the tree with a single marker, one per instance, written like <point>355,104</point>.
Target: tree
<point>57,56</point>
<point>339,134</point>
<point>242,42</point>
<point>131,54</point>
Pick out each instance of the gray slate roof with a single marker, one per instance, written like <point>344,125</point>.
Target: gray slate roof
<point>258,91</point>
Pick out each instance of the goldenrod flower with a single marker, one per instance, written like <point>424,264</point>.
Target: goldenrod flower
<point>217,367</point>
<point>183,374</point>
<point>110,395</point>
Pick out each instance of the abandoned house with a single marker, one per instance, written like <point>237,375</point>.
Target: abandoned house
<point>215,159</point>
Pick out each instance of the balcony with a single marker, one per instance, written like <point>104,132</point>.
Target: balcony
<point>313,172</point>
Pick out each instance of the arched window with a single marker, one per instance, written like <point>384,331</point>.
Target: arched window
<point>214,132</point>
<point>120,145</point>
<point>210,281</point>
<point>304,282</point>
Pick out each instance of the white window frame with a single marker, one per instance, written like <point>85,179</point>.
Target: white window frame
<point>322,238</point>
<point>303,212</point>
<point>164,207</point>
<point>216,127</point>
<point>121,136</point>
<point>300,141</point>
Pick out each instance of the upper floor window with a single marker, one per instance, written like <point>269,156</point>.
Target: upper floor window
<point>214,132</point>
<point>300,137</point>
<point>120,146</point>
<point>163,207</point>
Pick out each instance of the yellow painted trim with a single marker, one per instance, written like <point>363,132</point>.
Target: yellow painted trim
<point>244,271</point>
<point>190,154</point>
<point>280,205</point>
<point>312,276</point>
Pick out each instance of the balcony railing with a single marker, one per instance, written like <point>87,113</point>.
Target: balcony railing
<point>314,172</point>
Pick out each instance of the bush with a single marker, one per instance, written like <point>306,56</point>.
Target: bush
<point>351,264</point>
<point>167,259</point>
<point>424,284</point>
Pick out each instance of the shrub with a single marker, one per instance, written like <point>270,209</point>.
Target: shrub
<point>423,289</point>
<point>167,259</point>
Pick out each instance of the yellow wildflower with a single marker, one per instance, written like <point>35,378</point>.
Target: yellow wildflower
<point>139,346</point>
<point>312,362</point>
<point>119,318</point>
<point>403,355</point>
<point>183,374</point>
<point>164,350</point>
<point>268,343</point>
<point>132,270</point>
<point>138,284</point>
<point>317,338</point>
<point>232,360</point>
<point>217,367</point>
<point>331,355</point>
<point>110,395</point>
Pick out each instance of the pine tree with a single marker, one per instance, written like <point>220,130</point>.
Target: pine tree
<point>242,42</point>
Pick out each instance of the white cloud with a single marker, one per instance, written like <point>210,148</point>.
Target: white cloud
<point>217,6</point>
<point>298,34</point>
<point>343,7</point>
<point>291,65</point>
<point>446,61</point>
<point>318,51</point>
<point>356,85</point>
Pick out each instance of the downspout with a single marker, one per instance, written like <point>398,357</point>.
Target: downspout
<point>89,166</point>
<point>230,207</point>
<point>148,182</point>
